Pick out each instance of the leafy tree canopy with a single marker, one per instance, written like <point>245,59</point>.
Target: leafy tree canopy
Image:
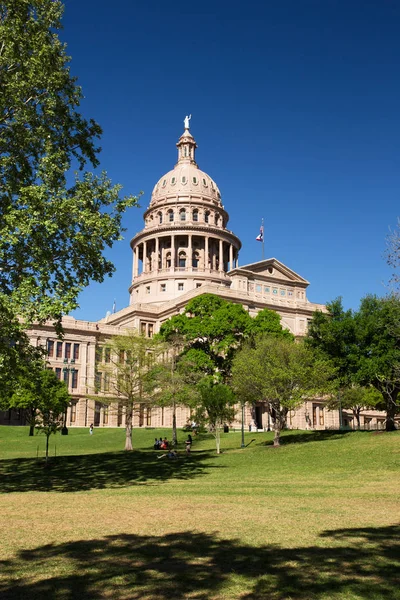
<point>364,346</point>
<point>54,227</point>
<point>281,373</point>
<point>213,329</point>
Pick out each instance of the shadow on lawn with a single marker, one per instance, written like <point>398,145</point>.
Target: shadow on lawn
<point>198,565</point>
<point>312,436</point>
<point>97,471</point>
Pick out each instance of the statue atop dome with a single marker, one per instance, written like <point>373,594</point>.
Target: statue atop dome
<point>186,121</point>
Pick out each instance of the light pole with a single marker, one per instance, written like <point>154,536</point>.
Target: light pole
<point>242,445</point>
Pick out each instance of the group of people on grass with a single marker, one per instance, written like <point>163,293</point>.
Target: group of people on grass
<point>163,444</point>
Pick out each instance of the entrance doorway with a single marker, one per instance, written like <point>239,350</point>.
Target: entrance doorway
<point>259,416</point>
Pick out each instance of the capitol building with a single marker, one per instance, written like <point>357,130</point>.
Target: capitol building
<point>185,249</point>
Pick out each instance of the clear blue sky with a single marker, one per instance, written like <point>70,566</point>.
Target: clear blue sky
<point>295,108</point>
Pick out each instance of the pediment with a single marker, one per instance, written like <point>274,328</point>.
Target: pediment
<point>271,268</point>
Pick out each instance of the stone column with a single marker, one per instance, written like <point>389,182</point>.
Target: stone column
<point>157,252</point>
<point>221,256</point>
<point>231,257</point>
<point>206,265</point>
<point>144,257</point>
<point>136,261</point>
<point>173,251</point>
<point>190,252</point>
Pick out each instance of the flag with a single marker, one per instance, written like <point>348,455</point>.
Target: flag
<point>260,237</point>
<point>114,306</point>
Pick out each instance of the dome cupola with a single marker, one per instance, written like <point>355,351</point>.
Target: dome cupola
<point>185,241</point>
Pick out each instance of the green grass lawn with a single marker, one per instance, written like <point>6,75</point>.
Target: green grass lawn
<point>317,518</point>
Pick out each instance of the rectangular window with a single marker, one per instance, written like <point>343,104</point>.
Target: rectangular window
<point>76,351</point>
<point>258,288</point>
<point>105,420</point>
<point>99,354</point>
<point>73,412</point>
<point>66,375</point>
<point>150,330</point>
<point>106,382</point>
<point>59,350</point>
<point>143,328</point>
<point>58,373</point>
<point>97,382</point>
<point>266,290</point>
<point>198,285</point>
<point>50,348</point>
<point>321,416</point>
<point>283,292</point>
<point>122,356</point>
<point>148,289</point>
<point>180,287</point>
<point>290,293</point>
<point>74,378</point>
<point>67,350</point>
<point>107,355</point>
<point>163,287</point>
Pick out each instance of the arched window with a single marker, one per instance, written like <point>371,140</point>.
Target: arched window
<point>182,215</point>
<point>195,260</point>
<point>216,218</point>
<point>195,215</point>
<point>206,217</point>
<point>168,262</point>
<point>170,215</point>
<point>160,217</point>
<point>182,260</point>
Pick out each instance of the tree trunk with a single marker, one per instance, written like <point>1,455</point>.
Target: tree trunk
<point>218,438</point>
<point>356,413</point>
<point>32,422</point>
<point>391,409</point>
<point>128,428</point>
<point>174,431</point>
<point>47,447</point>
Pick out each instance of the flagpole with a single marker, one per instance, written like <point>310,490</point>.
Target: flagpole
<point>262,249</point>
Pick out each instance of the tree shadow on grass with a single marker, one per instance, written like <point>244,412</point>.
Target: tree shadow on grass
<point>290,437</point>
<point>97,471</point>
<point>359,563</point>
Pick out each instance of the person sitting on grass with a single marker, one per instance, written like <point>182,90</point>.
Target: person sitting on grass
<point>171,454</point>
<point>164,444</point>
<point>156,444</point>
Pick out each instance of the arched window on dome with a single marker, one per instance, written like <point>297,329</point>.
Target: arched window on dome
<point>182,215</point>
<point>186,151</point>
<point>195,260</point>
<point>182,260</point>
<point>195,215</point>
<point>216,218</point>
<point>159,217</point>
<point>206,217</point>
<point>170,215</point>
<point>168,261</point>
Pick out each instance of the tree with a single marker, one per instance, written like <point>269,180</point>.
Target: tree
<point>216,407</point>
<point>172,382</point>
<point>127,360</point>
<point>213,329</point>
<point>45,397</point>
<point>355,398</point>
<point>17,356</point>
<point>269,322</point>
<point>54,227</point>
<point>393,253</point>
<point>281,373</point>
<point>364,346</point>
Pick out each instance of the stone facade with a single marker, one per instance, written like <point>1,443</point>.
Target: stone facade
<point>185,249</point>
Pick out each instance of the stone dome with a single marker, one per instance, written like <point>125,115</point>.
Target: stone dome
<point>186,179</point>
